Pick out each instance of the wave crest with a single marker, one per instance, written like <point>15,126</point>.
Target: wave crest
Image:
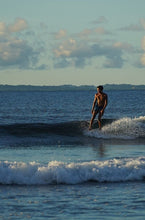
<point>115,170</point>
<point>124,128</point>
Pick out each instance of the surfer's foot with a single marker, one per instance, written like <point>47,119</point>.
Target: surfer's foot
<point>90,128</point>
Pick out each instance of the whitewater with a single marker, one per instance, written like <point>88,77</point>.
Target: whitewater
<point>114,170</point>
<point>124,128</point>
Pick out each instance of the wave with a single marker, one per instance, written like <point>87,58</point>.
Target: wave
<point>32,173</point>
<point>124,128</point>
<point>65,128</point>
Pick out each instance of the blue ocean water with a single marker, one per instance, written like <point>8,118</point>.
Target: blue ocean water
<point>53,167</point>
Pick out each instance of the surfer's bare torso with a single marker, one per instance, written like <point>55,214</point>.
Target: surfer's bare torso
<point>101,99</point>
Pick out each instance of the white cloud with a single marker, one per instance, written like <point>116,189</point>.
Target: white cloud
<point>2,28</point>
<point>143,43</point>
<point>65,48</point>
<point>142,21</point>
<point>79,53</point>
<point>124,46</point>
<point>101,30</point>
<point>17,53</point>
<point>14,51</point>
<point>85,33</point>
<point>61,34</point>
<point>143,56</point>
<point>19,25</point>
<point>92,33</point>
<point>91,44</point>
<point>143,59</point>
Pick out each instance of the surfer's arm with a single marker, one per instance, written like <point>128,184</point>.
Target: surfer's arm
<point>105,103</point>
<point>94,102</point>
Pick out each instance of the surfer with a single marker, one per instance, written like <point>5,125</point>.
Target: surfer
<point>99,104</point>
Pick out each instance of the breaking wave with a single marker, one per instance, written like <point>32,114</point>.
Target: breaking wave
<point>124,128</point>
<point>113,170</point>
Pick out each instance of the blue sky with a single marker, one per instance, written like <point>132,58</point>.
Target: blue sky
<point>56,42</point>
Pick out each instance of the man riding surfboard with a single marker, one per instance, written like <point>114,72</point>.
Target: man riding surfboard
<point>99,104</point>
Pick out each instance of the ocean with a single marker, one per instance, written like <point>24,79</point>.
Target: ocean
<point>53,167</point>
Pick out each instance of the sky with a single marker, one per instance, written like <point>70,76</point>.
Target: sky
<point>79,42</point>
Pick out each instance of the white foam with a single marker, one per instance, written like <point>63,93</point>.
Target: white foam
<point>115,170</point>
<point>124,128</point>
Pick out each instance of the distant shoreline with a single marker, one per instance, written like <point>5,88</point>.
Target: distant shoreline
<point>70,87</point>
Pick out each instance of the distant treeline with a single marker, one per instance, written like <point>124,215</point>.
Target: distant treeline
<point>70,87</point>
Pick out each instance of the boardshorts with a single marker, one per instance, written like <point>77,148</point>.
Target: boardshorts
<point>98,108</point>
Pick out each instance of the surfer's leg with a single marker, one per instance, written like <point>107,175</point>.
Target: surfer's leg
<point>99,120</point>
<point>92,119</point>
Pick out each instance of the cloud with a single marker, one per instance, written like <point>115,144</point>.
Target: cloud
<point>143,59</point>
<point>2,28</point>
<point>124,46</point>
<point>92,33</point>
<point>60,34</point>
<point>17,53</point>
<point>14,51</point>
<point>100,20</point>
<point>132,27</point>
<point>140,26</point>
<point>42,67</point>
<point>141,62</point>
<point>62,62</point>
<point>79,49</point>
<point>142,21</point>
<point>85,33</point>
<point>143,55</point>
<point>143,43</point>
<point>79,54</point>
<point>101,30</point>
<point>19,25</point>
<point>65,48</point>
<point>114,61</point>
